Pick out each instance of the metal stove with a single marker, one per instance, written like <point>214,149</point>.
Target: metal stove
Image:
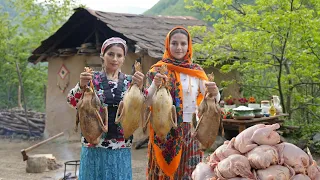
<point>69,176</point>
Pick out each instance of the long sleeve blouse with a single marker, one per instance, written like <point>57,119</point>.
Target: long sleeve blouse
<point>106,140</point>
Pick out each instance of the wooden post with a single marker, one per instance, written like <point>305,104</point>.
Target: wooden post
<point>45,95</point>
<point>96,32</point>
<point>242,127</point>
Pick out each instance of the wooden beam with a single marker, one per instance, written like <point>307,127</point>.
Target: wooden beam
<point>40,58</point>
<point>58,42</point>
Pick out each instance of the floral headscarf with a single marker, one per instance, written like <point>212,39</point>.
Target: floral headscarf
<point>114,40</point>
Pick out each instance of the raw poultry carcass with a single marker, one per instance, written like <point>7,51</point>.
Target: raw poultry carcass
<point>207,128</point>
<point>313,171</point>
<point>267,135</point>
<point>248,139</point>
<point>223,152</point>
<point>236,178</point>
<point>131,108</point>
<point>91,123</point>
<point>203,172</point>
<point>293,156</point>
<point>163,112</point>
<point>300,177</point>
<point>233,166</point>
<point>275,172</point>
<point>267,160</point>
<point>263,156</point>
<point>243,141</point>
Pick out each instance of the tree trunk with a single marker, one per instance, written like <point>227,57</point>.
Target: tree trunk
<point>289,95</point>
<point>24,98</point>
<point>9,96</point>
<point>19,97</point>
<point>280,88</point>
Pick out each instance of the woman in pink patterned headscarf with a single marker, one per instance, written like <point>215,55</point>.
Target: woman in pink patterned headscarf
<point>111,158</point>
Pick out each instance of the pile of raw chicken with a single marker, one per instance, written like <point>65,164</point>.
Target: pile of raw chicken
<point>258,153</point>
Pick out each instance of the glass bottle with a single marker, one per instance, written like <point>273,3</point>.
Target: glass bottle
<point>272,110</point>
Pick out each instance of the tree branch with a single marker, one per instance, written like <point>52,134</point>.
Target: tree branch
<point>312,113</point>
<point>267,87</point>
<point>256,92</point>
<point>291,7</point>
<point>274,49</point>
<point>302,83</point>
<point>297,108</point>
<point>312,51</point>
<point>303,106</point>
<point>229,48</point>
<point>300,5</point>
<point>241,7</point>
<point>240,12</point>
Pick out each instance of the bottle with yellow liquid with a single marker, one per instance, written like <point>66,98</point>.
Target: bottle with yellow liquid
<point>272,110</point>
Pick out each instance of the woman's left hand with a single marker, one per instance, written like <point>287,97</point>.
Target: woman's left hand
<point>138,78</point>
<point>212,88</point>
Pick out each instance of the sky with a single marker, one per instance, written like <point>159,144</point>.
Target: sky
<point>120,6</point>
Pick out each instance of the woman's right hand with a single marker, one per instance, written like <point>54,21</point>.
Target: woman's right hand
<point>85,78</point>
<point>158,79</point>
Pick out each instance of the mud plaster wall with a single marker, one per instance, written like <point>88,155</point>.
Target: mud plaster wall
<point>61,117</point>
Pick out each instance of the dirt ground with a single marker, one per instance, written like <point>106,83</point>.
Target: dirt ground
<point>12,167</point>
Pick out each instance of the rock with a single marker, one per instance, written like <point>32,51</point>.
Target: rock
<point>282,139</point>
<point>302,144</point>
<point>316,138</point>
<point>14,135</point>
<point>24,137</point>
<point>32,139</point>
<point>219,141</point>
<point>313,149</point>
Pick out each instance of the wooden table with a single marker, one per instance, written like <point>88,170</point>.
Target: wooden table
<point>242,124</point>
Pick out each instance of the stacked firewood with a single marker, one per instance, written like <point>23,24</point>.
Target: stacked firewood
<point>16,121</point>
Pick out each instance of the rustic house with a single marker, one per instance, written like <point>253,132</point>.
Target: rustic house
<point>77,43</point>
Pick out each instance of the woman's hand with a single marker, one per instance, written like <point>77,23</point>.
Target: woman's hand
<point>212,88</point>
<point>85,78</point>
<point>158,79</point>
<point>138,78</point>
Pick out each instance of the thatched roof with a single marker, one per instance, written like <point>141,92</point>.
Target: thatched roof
<point>146,33</point>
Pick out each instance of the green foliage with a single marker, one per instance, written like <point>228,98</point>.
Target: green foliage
<point>275,45</point>
<point>6,8</point>
<point>28,24</point>
<point>174,8</point>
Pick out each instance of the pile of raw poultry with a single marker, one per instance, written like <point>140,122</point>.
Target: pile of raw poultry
<point>258,153</point>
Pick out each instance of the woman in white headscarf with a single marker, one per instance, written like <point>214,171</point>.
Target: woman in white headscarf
<point>111,158</point>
